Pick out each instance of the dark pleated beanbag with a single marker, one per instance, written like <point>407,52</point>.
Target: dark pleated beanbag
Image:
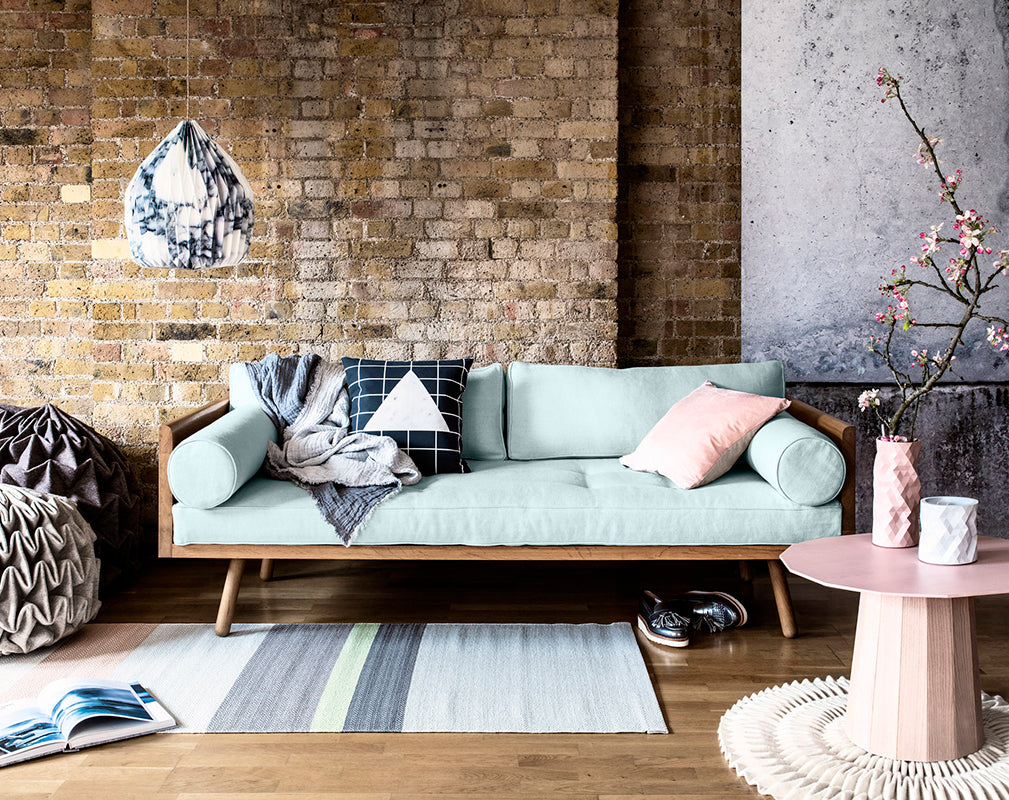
<point>48,450</point>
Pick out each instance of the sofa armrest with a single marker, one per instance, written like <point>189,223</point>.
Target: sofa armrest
<point>169,435</point>
<point>843,435</point>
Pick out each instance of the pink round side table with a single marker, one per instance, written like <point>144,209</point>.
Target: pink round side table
<point>915,693</point>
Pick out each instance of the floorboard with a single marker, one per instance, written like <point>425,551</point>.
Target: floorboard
<point>695,685</point>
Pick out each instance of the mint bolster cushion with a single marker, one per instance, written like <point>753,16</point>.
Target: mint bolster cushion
<point>800,462</point>
<point>483,414</point>
<point>210,466</point>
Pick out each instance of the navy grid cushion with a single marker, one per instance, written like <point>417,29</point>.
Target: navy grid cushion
<point>417,403</point>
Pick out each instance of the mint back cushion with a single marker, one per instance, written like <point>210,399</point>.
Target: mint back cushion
<point>483,414</point>
<point>240,391</point>
<point>561,411</point>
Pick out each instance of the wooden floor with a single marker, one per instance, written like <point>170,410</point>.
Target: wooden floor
<point>695,686</point>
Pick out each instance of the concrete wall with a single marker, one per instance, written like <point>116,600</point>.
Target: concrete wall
<point>832,196</point>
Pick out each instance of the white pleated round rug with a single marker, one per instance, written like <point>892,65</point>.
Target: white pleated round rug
<point>789,742</point>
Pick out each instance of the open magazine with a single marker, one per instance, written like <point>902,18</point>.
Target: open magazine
<point>73,713</point>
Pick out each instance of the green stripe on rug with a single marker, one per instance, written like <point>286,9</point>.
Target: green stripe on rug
<point>339,690</point>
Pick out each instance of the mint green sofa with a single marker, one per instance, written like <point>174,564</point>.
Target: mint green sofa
<point>543,443</point>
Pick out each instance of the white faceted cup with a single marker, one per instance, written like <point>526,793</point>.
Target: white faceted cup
<point>948,531</point>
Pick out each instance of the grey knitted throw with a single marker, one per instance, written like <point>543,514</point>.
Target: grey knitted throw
<point>347,474</point>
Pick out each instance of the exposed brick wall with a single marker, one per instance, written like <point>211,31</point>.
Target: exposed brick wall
<point>432,179</point>
<point>45,163</point>
<point>679,285</point>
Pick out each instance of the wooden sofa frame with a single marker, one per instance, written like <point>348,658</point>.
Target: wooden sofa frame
<point>171,434</point>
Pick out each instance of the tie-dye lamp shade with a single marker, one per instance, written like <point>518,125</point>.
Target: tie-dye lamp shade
<point>189,206</point>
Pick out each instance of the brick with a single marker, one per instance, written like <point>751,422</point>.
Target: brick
<point>68,288</point>
<point>524,169</point>
<point>187,351</point>
<point>197,290</point>
<point>526,87</point>
<point>42,309</point>
<point>382,249</point>
<point>248,332</point>
<point>110,248</point>
<point>17,232</point>
<point>184,330</point>
<point>78,193</point>
<point>107,311</point>
<point>123,290</point>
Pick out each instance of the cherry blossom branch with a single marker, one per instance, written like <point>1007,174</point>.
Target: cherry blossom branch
<point>963,281</point>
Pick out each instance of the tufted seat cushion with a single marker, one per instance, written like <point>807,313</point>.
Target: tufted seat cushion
<point>48,570</point>
<point>550,502</point>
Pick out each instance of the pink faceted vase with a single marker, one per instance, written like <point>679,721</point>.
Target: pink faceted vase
<point>896,494</point>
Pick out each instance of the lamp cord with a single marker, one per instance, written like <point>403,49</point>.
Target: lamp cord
<point>187,59</point>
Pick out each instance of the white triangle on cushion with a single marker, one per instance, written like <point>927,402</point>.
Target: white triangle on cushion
<point>408,407</point>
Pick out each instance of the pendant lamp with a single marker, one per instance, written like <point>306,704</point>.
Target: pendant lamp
<point>189,206</point>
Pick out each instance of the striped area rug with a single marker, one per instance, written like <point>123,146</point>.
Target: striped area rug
<point>366,676</point>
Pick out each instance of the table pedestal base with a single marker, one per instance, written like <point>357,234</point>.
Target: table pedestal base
<point>915,693</point>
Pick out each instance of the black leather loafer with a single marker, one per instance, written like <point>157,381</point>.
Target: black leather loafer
<point>712,611</point>
<point>664,623</point>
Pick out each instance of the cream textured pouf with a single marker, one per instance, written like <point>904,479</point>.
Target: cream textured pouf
<point>48,570</point>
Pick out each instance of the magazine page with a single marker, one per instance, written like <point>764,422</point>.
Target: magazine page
<point>26,731</point>
<point>90,711</point>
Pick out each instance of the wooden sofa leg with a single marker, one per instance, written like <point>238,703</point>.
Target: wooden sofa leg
<point>226,612</point>
<point>746,571</point>
<point>266,569</point>
<point>782,598</point>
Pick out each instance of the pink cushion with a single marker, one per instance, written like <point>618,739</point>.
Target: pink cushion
<point>703,434</point>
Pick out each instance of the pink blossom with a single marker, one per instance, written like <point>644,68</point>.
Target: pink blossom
<point>950,185</point>
<point>884,78</point>
<point>868,399</point>
<point>971,229</point>
<point>998,338</point>
<point>931,244</point>
<point>1003,262</point>
<point>922,155</point>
